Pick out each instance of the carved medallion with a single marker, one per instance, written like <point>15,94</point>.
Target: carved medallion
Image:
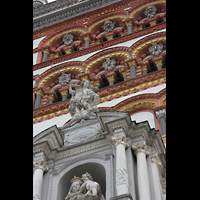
<point>156,49</point>
<point>108,26</point>
<point>150,11</point>
<point>109,64</point>
<point>64,78</point>
<point>68,39</point>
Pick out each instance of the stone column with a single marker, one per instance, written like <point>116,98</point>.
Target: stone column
<point>124,74</point>
<point>39,94</point>
<point>159,64</point>
<point>51,98</point>
<point>129,27</point>
<point>111,80</point>
<point>155,174</point>
<point>132,65</point>
<point>161,116</point>
<point>87,41</point>
<point>64,94</point>
<point>144,69</point>
<point>39,167</point>
<point>121,144</point>
<point>143,178</point>
<point>45,55</point>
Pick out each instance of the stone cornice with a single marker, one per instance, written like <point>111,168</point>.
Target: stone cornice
<point>100,46</point>
<point>46,15</point>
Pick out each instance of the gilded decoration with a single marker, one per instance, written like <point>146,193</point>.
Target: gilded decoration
<point>140,104</point>
<point>163,101</point>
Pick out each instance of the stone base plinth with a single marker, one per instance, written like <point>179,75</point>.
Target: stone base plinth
<point>122,197</point>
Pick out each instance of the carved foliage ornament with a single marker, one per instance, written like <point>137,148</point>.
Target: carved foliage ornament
<point>64,78</point>
<point>68,39</point>
<point>108,26</point>
<point>109,64</point>
<point>156,49</point>
<point>150,11</point>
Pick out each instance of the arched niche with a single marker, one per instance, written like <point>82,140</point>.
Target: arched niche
<point>95,169</point>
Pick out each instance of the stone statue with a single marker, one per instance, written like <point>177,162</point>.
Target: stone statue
<point>150,11</point>
<point>109,64</point>
<point>84,189</point>
<point>156,49</point>
<point>74,191</point>
<point>108,26</point>
<point>93,188</point>
<point>68,39</point>
<point>64,78</point>
<point>83,103</point>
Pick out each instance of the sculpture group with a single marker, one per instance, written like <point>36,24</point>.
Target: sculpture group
<point>83,103</point>
<point>84,189</point>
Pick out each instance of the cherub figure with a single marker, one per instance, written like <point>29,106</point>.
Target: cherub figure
<point>93,188</point>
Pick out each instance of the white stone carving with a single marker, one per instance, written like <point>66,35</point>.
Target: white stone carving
<point>83,103</point>
<point>150,11</point>
<point>64,78</point>
<point>83,135</point>
<point>109,64</point>
<point>68,39</point>
<point>120,139</point>
<point>108,26</point>
<point>36,197</point>
<point>156,49</point>
<point>84,188</point>
<point>121,177</point>
<point>161,113</point>
<point>40,164</point>
<point>140,147</point>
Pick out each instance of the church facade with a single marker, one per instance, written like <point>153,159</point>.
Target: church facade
<point>99,100</point>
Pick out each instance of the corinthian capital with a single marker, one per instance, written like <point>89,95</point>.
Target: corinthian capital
<point>155,159</point>
<point>140,147</point>
<point>40,164</point>
<point>120,139</point>
<point>161,113</point>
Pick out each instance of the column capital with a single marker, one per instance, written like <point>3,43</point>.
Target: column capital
<point>51,96</point>
<point>124,74</point>
<point>159,62</point>
<point>144,68</point>
<point>140,147</point>
<point>65,92</point>
<point>39,92</point>
<point>111,78</point>
<point>155,158</point>
<point>161,113</point>
<point>120,139</point>
<point>40,164</point>
<point>97,83</point>
<point>85,78</point>
<point>46,51</point>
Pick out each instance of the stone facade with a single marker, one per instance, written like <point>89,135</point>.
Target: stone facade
<point>99,100</point>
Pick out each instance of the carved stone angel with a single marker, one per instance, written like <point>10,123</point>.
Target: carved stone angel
<point>68,39</point>
<point>108,26</point>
